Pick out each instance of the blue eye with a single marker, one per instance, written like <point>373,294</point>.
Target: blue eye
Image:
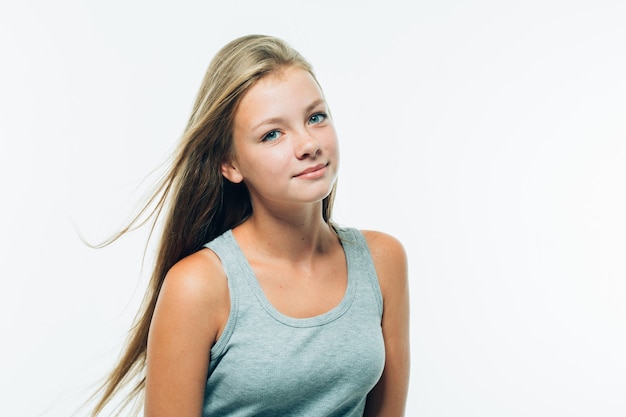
<point>270,136</point>
<point>317,118</point>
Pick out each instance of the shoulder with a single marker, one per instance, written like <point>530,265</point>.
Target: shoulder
<point>191,310</point>
<point>383,244</point>
<point>196,275</point>
<point>197,267</point>
<point>387,251</point>
<point>390,260</point>
<point>196,288</point>
<point>389,395</point>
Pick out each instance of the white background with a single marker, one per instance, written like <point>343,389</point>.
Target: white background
<point>489,136</point>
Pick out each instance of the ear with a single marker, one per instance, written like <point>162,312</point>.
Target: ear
<point>231,172</point>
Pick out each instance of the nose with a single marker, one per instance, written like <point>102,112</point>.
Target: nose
<point>307,145</point>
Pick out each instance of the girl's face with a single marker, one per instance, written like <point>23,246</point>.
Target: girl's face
<point>285,145</point>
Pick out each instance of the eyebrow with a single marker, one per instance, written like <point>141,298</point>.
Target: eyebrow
<point>307,110</point>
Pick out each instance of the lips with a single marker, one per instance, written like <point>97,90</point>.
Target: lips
<point>311,169</point>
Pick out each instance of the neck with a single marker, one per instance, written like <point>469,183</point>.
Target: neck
<point>294,235</point>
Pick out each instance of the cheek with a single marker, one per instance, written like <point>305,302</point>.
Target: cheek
<point>331,142</point>
<point>266,164</point>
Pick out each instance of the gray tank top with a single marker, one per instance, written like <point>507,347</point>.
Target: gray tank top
<point>268,364</point>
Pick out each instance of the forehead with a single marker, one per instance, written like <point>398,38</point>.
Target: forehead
<point>276,95</point>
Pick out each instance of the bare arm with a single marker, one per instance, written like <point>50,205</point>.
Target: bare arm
<point>388,398</point>
<point>191,311</point>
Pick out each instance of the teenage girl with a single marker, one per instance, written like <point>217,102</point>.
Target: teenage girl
<point>259,305</point>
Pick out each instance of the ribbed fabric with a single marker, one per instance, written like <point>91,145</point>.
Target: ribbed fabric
<point>268,364</point>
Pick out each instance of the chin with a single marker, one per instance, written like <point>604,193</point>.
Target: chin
<point>321,195</point>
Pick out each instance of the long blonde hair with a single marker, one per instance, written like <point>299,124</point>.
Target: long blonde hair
<point>200,203</point>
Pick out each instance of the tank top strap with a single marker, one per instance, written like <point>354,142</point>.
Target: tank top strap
<point>360,260</point>
<point>225,247</point>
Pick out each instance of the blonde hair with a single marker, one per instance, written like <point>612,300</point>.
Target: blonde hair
<point>200,203</point>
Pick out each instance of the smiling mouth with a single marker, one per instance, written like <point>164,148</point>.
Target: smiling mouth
<point>311,170</point>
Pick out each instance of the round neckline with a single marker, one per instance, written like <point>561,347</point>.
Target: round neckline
<point>318,320</point>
